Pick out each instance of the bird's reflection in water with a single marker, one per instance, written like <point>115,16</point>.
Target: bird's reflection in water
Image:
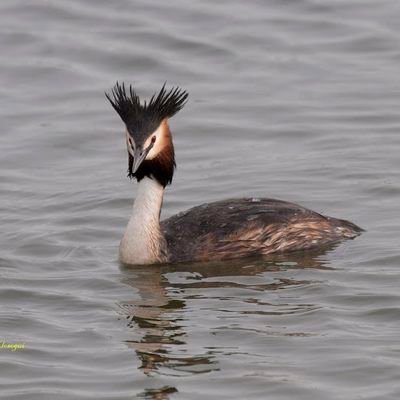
<point>158,314</point>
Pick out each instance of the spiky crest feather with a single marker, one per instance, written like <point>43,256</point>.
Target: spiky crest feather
<point>142,120</point>
<point>147,115</point>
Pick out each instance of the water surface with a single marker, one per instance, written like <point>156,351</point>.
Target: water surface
<point>297,100</point>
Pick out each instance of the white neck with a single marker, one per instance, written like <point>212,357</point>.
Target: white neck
<point>143,241</point>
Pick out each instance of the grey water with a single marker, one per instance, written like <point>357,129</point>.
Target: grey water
<point>295,100</point>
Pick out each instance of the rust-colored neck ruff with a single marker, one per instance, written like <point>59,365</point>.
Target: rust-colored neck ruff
<point>161,164</point>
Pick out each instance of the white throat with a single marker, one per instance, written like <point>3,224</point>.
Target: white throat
<point>143,242</point>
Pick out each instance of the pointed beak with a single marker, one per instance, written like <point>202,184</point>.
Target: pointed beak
<point>139,156</point>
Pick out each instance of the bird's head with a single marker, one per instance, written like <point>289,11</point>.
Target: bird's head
<point>148,138</point>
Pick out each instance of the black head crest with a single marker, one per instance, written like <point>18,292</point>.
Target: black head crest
<point>137,115</point>
<point>143,120</point>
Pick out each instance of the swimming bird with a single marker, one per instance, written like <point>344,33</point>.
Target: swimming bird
<point>220,230</point>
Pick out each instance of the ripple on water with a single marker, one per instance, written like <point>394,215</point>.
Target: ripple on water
<point>291,100</point>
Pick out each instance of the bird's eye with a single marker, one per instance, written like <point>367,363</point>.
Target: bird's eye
<point>153,139</point>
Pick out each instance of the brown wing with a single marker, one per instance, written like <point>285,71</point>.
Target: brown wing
<point>248,227</point>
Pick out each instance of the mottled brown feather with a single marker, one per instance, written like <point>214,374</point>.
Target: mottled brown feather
<point>249,227</point>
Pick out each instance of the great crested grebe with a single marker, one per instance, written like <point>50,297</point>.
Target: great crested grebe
<point>215,231</point>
